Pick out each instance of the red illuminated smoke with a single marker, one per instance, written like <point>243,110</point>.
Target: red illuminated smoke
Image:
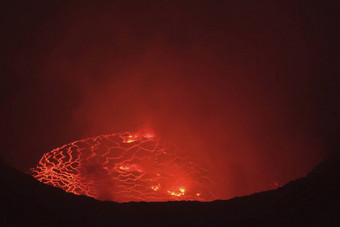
<point>124,167</point>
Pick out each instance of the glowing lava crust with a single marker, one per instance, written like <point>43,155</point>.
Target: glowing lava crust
<point>124,167</point>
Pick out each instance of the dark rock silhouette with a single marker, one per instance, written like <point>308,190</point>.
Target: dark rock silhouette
<point>310,201</point>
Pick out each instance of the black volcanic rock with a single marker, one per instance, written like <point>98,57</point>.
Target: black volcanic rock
<point>310,201</point>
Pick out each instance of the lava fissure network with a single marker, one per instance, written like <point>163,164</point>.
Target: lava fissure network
<point>124,167</point>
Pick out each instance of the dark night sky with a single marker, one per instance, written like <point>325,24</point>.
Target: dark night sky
<point>251,87</point>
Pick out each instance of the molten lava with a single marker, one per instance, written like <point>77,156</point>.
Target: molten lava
<point>124,167</point>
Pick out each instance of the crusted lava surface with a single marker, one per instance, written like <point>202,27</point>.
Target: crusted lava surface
<point>125,167</point>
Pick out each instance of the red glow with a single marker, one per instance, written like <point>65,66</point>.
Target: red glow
<point>124,167</point>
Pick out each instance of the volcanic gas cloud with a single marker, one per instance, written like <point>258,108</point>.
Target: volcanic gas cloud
<point>124,167</point>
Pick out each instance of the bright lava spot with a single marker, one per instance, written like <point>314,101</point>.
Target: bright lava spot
<point>179,193</point>
<point>124,167</point>
<point>155,188</point>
